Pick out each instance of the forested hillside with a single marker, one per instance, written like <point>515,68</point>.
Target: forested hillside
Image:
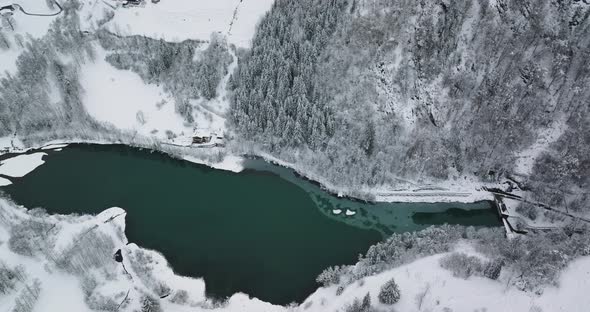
<point>370,93</point>
<point>172,65</point>
<point>43,98</point>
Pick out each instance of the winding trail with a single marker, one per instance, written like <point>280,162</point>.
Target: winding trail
<point>40,14</point>
<point>234,17</point>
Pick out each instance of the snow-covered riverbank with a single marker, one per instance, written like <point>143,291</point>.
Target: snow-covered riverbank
<point>461,191</point>
<point>450,191</point>
<point>78,251</point>
<point>467,191</point>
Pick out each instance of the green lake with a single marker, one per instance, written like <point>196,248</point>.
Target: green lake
<point>264,231</point>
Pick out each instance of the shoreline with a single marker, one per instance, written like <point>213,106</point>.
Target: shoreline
<point>425,193</point>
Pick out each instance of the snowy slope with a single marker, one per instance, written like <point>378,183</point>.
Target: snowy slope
<point>35,26</point>
<point>121,98</point>
<point>179,20</point>
<point>444,292</point>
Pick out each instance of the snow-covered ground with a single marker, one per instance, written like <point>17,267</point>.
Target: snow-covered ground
<point>229,163</point>
<point>527,158</point>
<point>9,143</point>
<point>18,24</point>
<point>444,292</point>
<point>121,98</point>
<point>178,20</point>
<point>8,58</point>
<point>54,147</point>
<point>27,25</point>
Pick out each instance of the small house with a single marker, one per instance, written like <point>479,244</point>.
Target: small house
<point>201,137</point>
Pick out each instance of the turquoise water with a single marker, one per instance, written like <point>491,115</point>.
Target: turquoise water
<point>264,232</point>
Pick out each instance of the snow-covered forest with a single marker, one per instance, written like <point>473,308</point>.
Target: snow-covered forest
<point>378,92</point>
<point>356,94</point>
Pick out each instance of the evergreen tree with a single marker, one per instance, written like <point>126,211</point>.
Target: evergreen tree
<point>389,293</point>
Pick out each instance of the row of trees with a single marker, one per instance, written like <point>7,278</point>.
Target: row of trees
<point>277,98</point>
<point>388,294</point>
<point>533,261</point>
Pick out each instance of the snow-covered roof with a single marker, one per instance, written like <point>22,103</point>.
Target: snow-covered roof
<point>202,133</point>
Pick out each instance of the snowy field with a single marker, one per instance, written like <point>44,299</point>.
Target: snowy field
<point>121,98</point>
<point>178,20</point>
<point>27,25</point>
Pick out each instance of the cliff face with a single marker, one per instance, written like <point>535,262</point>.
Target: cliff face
<point>424,90</point>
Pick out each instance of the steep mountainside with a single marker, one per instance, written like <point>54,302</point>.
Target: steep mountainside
<point>371,93</point>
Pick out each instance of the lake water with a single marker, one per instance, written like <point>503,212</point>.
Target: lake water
<point>264,232</point>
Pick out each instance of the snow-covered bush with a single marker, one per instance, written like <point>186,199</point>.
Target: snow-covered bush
<point>90,249</point>
<point>462,265</point>
<point>27,298</point>
<point>142,263</point>
<point>26,235</point>
<point>403,248</point>
<point>99,302</point>
<point>527,209</point>
<point>389,293</point>
<point>150,304</point>
<point>330,276</point>
<point>492,269</point>
<point>180,297</point>
<point>8,278</point>
<point>360,306</point>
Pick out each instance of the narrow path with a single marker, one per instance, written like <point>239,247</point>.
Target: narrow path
<point>233,19</point>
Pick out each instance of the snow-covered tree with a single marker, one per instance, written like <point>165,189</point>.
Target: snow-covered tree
<point>389,293</point>
<point>493,269</point>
